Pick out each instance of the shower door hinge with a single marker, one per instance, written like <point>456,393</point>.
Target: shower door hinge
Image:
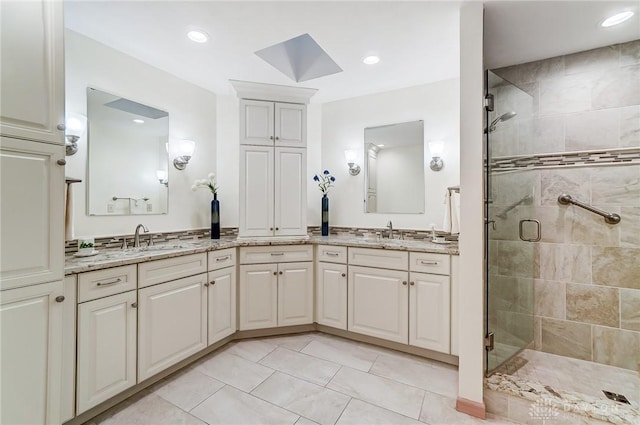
<point>488,102</point>
<point>488,342</point>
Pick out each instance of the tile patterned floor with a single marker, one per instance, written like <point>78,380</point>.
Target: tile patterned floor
<point>302,379</point>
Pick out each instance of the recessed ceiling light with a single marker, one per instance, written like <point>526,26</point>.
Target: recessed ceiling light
<point>371,60</point>
<point>381,145</point>
<point>198,36</point>
<point>138,121</point>
<point>616,19</point>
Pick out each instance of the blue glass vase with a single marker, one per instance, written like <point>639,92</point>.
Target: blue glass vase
<point>325,215</point>
<point>215,217</point>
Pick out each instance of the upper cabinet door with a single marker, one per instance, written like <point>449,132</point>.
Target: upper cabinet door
<point>32,209</point>
<point>256,123</point>
<point>290,125</point>
<point>290,192</point>
<point>256,193</point>
<point>32,70</point>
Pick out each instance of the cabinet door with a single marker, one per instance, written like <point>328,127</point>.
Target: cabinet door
<point>295,293</point>
<point>258,296</point>
<point>429,309</point>
<point>256,191</point>
<point>172,323</point>
<point>30,354</point>
<point>291,125</point>
<point>378,302</point>
<point>106,348</point>
<point>68,387</point>
<point>290,192</point>
<point>32,70</point>
<point>31,211</point>
<point>331,295</point>
<point>221,304</point>
<point>256,122</point>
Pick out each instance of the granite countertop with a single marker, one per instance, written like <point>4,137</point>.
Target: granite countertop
<point>117,257</point>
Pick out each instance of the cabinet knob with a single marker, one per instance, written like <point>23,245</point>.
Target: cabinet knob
<point>60,298</point>
<point>275,273</point>
<point>61,162</point>
<point>213,282</point>
<point>279,272</point>
<point>270,228</point>
<point>270,137</point>
<point>277,228</point>
<point>277,138</point>
<point>61,127</point>
<point>404,282</point>
<point>412,283</point>
<point>134,305</point>
<point>343,275</point>
<point>206,284</point>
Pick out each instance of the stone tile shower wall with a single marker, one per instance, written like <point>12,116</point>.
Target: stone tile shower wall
<point>587,272</point>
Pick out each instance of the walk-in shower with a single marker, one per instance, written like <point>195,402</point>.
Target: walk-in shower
<point>504,117</point>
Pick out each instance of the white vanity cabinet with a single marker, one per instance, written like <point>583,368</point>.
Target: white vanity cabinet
<point>32,71</point>
<point>172,313</point>
<point>276,287</point>
<point>32,211</point>
<point>400,296</point>
<point>221,295</point>
<point>331,286</point>
<point>106,335</point>
<point>430,301</point>
<point>30,354</point>
<point>69,319</point>
<point>265,123</point>
<point>379,303</point>
<point>273,196</point>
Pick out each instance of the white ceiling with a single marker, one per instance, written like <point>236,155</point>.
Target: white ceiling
<point>416,40</point>
<point>523,31</point>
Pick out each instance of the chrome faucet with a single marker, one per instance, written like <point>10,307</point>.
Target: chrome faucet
<point>390,227</point>
<point>136,237</point>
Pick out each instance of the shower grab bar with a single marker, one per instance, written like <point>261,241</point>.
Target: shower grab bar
<point>610,218</point>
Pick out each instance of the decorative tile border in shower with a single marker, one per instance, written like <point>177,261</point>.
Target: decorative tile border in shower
<point>232,233</point>
<point>611,156</point>
<point>546,403</point>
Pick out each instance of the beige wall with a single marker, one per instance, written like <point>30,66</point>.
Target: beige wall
<point>587,273</point>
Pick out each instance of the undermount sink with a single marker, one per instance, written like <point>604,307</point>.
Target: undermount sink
<point>160,247</point>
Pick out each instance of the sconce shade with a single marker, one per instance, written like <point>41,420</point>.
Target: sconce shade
<point>351,156</point>
<point>436,148</point>
<point>184,150</point>
<point>74,128</point>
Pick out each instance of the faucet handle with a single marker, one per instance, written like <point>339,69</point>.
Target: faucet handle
<point>150,243</point>
<point>124,242</point>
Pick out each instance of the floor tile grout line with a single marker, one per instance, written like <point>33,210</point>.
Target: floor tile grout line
<point>343,410</point>
<point>189,411</point>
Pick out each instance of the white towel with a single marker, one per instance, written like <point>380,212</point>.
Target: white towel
<point>68,214</point>
<point>451,224</point>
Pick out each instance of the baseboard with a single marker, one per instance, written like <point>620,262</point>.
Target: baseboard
<point>471,408</point>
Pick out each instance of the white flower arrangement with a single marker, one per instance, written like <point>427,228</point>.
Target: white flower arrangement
<point>209,182</point>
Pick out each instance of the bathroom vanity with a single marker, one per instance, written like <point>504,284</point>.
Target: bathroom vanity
<point>142,314</point>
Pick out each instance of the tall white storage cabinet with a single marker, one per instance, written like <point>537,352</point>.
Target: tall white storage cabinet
<point>273,159</point>
<point>31,212</point>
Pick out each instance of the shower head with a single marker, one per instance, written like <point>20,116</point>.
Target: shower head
<point>504,117</point>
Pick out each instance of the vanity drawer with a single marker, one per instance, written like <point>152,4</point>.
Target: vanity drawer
<point>332,254</point>
<point>276,254</point>
<point>159,271</point>
<point>222,258</point>
<point>425,262</point>
<point>102,283</point>
<point>380,258</point>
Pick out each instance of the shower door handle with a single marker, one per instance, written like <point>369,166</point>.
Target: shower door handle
<point>538,229</point>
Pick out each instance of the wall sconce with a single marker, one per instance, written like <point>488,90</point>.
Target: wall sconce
<point>350,155</point>
<point>185,152</point>
<point>74,128</point>
<point>436,149</point>
<point>162,177</point>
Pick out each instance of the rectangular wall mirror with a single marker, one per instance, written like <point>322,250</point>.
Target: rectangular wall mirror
<point>394,168</point>
<point>127,144</point>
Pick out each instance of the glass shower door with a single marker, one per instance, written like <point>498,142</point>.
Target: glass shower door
<point>511,229</point>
